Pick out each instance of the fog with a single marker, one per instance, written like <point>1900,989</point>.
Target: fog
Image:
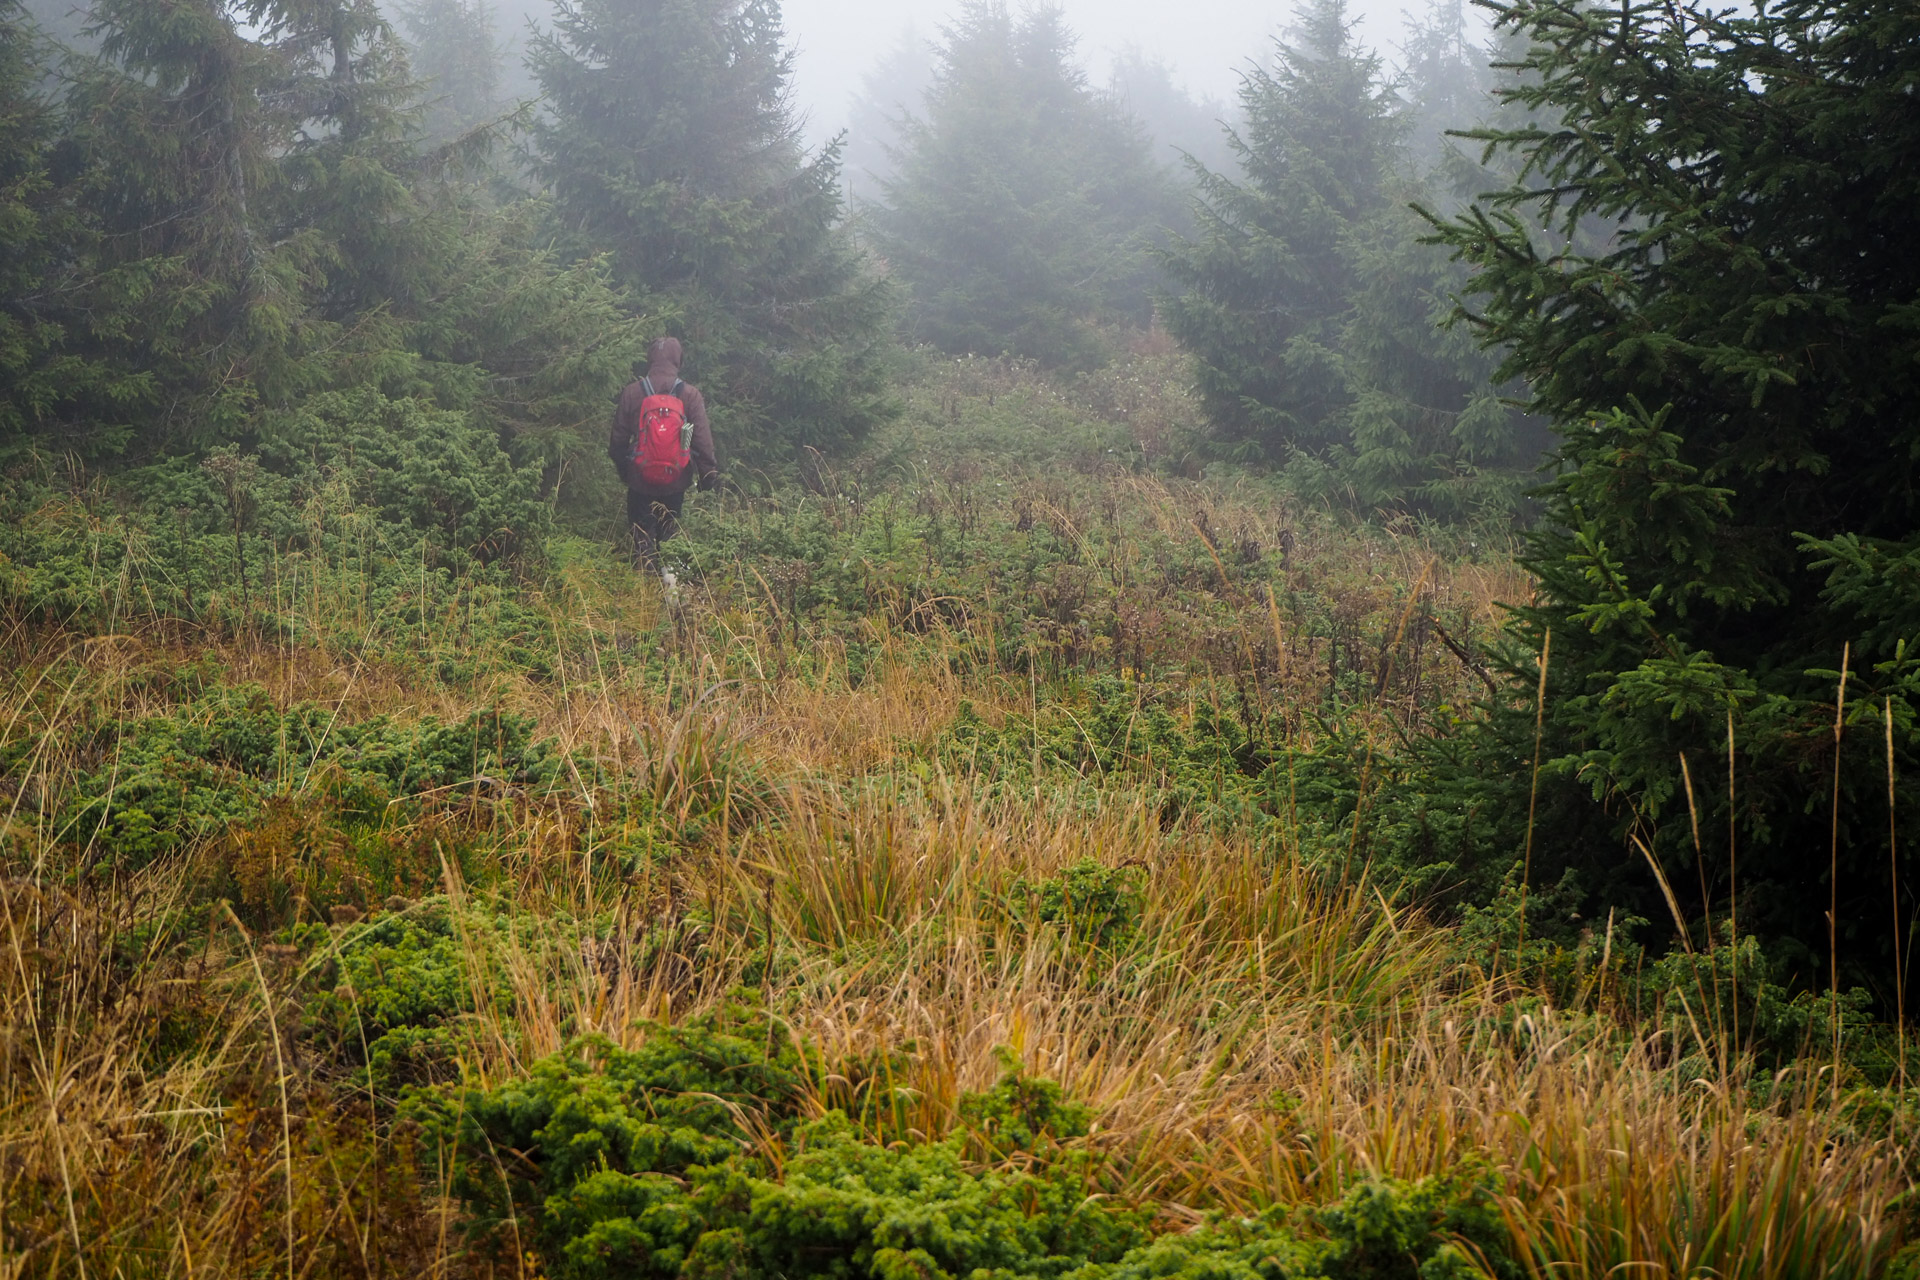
<point>840,43</point>
<point>1203,42</point>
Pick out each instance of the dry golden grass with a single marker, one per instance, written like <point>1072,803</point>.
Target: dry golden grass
<point>1266,1038</point>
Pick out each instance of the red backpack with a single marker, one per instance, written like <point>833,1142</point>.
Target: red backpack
<point>660,445</point>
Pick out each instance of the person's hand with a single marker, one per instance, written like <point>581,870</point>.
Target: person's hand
<point>709,482</point>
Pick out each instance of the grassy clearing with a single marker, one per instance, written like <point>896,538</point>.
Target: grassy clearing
<point>980,760</point>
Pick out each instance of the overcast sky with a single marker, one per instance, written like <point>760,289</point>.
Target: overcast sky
<point>1203,40</point>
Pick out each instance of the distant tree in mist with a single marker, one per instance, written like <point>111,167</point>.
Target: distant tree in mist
<point>671,145</point>
<point>459,59</point>
<point>515,25</point>
<point>1447,80</point>
<point>889,93</point>
<point>1024,205</point>
<point>1178,122</point>
<point>1312,310</point>
<point>1267,280</point>
<point>64,21</point>
<point>447,55</point>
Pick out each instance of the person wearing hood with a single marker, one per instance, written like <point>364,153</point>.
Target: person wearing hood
<point>653,509</point>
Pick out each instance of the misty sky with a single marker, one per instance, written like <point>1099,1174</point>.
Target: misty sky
<point>1203,40</point>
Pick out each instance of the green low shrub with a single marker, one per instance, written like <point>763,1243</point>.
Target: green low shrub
<point>145,788</point>
<point>1098,906</point>
<point>695,1157</point>
<point>397,1001</point>
<point>401,983</point>
<point>1434,1229</point>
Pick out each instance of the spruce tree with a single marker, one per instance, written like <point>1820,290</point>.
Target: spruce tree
<point>173,153</point>
<point>255,177</point>
<point>27,243</point>
<point>1266,280</point>
<point>671,144</point>
<point>1314,312</point>
<point>45,241</point>
<point>1734,373</point>
<point>1024,204</point>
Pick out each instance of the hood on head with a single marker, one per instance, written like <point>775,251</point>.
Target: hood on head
<point>664,356</point>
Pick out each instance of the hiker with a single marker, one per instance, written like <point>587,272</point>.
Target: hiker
<point>661,444</point>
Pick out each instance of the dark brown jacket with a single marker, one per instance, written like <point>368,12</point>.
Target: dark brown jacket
<point>663,370</point>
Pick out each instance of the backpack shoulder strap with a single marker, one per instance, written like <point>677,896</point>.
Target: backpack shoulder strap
<point>679,385</point>
<point>646,387</point>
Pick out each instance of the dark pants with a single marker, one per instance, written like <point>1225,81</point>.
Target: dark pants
<point>654,520</point>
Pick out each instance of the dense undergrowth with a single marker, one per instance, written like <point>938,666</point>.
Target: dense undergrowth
<point>996,859</point>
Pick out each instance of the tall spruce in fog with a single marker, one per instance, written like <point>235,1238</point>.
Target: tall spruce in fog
<point>1735,377</point>
<point>1179,123</point>
<point>457,55</point>
<point>889,93</point>
<point>1446,80</point>
<point>27,242</point>
<point>1267,280</point>
<point>1025,202</point>
<point>179,129</point>
<point>1314,313</point>
<point>671,144</point>
<point>258,176</point>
